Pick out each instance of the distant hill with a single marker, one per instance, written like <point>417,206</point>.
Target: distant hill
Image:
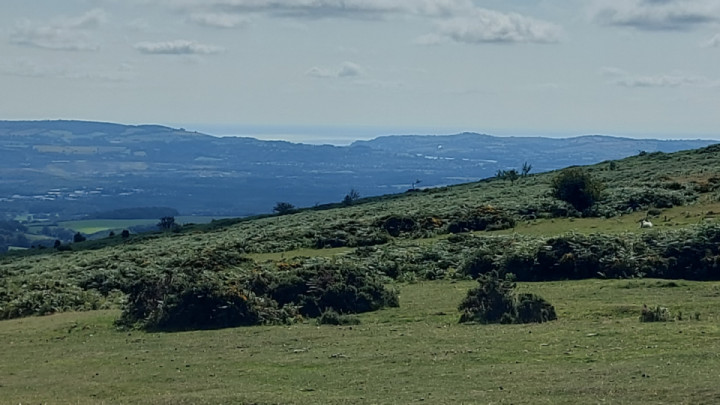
<point>71,168</point>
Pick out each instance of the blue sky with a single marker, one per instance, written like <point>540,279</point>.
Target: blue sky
<point>328,70</point>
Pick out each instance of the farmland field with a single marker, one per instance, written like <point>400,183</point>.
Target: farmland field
<point>89,226</point>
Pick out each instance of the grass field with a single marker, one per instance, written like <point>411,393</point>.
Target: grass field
<point>90,226</point>
<point>596,352</point>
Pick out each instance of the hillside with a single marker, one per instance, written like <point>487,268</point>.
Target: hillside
<point>679,189</point>
<point>73,168</point>
<point>411,255</point>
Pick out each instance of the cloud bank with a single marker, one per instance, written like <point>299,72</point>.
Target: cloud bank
<point>658,15</point>
<point>455,20</point>
<point>487,26</point>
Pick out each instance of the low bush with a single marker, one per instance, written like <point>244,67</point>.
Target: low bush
<point>494,301</point>
<point>192,299</point>
<point>481,219</point>
<point>657,314</point>
<point>330,284</point>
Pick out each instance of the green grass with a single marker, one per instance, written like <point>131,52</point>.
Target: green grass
<point>597,350</point>
<point>90,226</point>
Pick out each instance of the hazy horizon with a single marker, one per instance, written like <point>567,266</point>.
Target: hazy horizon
<point>635,68</point>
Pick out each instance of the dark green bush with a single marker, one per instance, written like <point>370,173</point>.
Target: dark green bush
<point>190,299</point>
<point>494,301</point>
<point>577,187</point>
<point>481,262</point>
<point>395,225</point>
<point>481,219</point>
<point>341,286</point>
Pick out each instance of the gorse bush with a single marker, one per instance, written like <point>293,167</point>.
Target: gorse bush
<point>196,300</point>
<point>327,284</point>
<point>193,298</point>
<point>494,301</point>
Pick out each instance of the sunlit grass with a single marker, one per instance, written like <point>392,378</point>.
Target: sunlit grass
<point>597,351</point>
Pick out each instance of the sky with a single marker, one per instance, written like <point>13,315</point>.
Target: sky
<point>335,70</point>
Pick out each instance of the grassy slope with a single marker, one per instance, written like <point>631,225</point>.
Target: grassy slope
<point>597,351</point>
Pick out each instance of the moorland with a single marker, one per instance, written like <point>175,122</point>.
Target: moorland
<point>358,302</point>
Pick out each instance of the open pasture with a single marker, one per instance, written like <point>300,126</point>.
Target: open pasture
<point>596,352</point>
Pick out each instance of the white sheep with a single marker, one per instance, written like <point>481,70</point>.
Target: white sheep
<point>644,223</point>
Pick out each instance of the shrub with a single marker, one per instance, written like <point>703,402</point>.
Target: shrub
<point>657,314</point>
<point>191,299</point>
<point>481,219</point>
<point>494,301</point>
<point>283,208</point>
<point>395,225</point>
<point>481,262</point>
<point>341,286</point>
<point>577,187</point>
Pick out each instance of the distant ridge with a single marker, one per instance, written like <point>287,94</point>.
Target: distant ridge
<point>73,168</point>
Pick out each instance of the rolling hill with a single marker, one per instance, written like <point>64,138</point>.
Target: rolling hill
<point>73,168</point>
<point>412,254</point>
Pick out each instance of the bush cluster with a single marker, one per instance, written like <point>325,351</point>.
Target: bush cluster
<point>494,301</point>
<point>692,253</point>
<point>481,219</point>
<point>194,298</point>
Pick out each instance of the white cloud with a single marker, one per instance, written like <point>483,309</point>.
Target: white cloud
<point>346,69</point>
<point>658,15</point>
<point>219,20</point>
<point>63,33</point>
<point>365,9</point>
<point>488,26</point>
<point>178,47</point>
<point>713,42</point>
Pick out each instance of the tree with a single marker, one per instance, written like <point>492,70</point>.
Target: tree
<point>577,187</point>
<point>167,223</point>
<point>525,169</point>
<point>125,234</point>
<point>351,197</point>
<point>78,237</point>
<point>283,208</point>
<point>511,175</point>
<point>57,243</point>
